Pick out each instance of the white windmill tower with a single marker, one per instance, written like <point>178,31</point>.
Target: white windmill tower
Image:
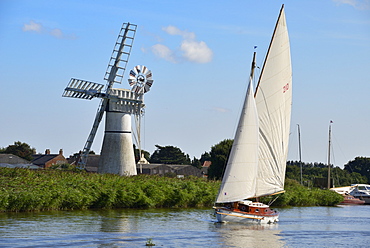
<point>117,154</point>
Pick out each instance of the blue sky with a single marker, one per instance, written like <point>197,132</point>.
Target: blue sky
<point>200,54</point>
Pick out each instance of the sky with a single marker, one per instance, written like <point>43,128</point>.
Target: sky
<point>200,54</point>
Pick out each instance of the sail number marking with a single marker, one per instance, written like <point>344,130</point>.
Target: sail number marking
<point>286,88</point>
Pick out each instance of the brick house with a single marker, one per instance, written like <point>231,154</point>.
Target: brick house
<point>47,160</point>
<point>92,162</point>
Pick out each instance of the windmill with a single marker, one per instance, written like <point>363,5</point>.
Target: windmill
<point>117,154</point>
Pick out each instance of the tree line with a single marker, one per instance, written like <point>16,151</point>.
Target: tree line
<point>20,149</point>
<point>355,171</point>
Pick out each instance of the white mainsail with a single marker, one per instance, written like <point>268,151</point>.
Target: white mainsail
<point>274,100</point>
<point>257,161</point>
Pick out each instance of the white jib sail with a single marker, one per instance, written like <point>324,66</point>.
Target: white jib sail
<point>239,181</point>
<point>274,100</point>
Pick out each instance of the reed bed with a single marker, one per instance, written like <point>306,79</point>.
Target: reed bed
<point>37,190</point>
<point>32,190</point>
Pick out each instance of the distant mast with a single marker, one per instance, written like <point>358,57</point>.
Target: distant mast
<point>300,151</point>
<point>329,154</point>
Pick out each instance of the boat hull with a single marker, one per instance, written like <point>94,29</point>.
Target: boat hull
<point>350,200</point>
<point>364,198</point>
<point>226,215</point>
<point>362,192</point>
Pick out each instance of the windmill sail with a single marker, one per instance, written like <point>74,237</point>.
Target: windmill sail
<point>115,71</point>
<point>257,162</point>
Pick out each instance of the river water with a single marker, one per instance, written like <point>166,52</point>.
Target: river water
<point>346,226</point>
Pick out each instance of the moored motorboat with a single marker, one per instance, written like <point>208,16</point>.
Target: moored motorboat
<point>354,194</point>
<point>361,191</point>
<point>351,200</point>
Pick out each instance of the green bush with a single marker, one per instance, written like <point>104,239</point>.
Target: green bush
<point>298,195</point>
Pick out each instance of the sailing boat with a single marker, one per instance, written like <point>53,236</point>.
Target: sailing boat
<point>257,161</point>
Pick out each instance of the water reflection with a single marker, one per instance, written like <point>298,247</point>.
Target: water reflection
<point>298,227</point>
<point>236,235</point>
<point>117,221</point>
<point>166,227</point>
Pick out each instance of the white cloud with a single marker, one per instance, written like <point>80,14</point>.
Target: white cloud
<point>39,28</point>
<point>358,4</point>
<point>164,52</point>
<point>56,32</point>
<point>172,30</point>
<point>190,49</point>
<point>220,110</point>
<point>195,51</point>
<point>32,26</point>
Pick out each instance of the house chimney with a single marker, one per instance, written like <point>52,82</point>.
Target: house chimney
<point>47,151</point>
<point>61,152</point>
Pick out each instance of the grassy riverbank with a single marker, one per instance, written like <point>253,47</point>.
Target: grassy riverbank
<point>26,190</point>
<point>32,190</point>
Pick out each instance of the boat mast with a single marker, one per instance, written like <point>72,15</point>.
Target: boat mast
<point>251,80</point>
<point>300,152</point>
<point>253,66</point>
<point>329,155</point>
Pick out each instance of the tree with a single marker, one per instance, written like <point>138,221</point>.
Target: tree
<point>20,149</point>
<point>314,171</point>
<point>196,163</point>
<point>219,155</point>
<point>169,155</point>
<point>205,157</point>
<point>360,165</point>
